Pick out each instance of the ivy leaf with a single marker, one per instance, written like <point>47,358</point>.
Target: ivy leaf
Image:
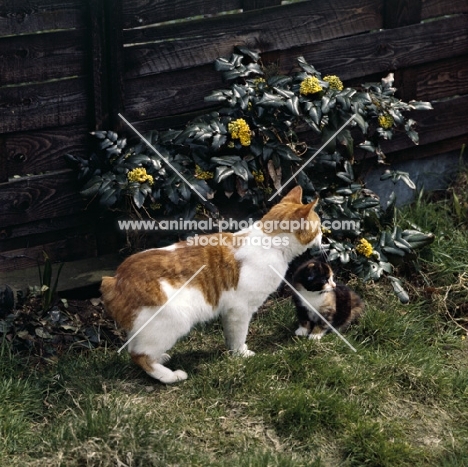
<point>367,146</point>
<point>270,100</point>
<point>285,152</point>
<point>92,187</point>
<point>226,160</point>
<point>244,50</point>
<point>420,105</point>
<point>400,292</point>
<point>138,198</point>
<point>222,64</point>
<point>292,105</point>
<point>241,170</point>
<point>222,172</point>
<point>109,198</point>
<point>306,67</point>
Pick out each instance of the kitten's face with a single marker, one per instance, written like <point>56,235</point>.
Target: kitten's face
<point>315,276</point>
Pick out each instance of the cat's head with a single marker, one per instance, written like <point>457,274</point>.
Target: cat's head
<point>314,276</point>
<point>295,220</point>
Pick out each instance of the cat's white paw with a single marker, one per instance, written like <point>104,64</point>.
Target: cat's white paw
<point>301,331</point>
<point>243,352</point>
<point>174,377</point>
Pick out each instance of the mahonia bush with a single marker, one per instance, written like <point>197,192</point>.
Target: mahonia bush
<point>255,141</point>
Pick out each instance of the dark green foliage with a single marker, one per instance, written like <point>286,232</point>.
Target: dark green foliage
<point>254,143</point>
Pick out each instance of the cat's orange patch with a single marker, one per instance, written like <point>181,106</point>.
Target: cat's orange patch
<point>137,282</point>
<point>137,279</point>
<point>142,360</point>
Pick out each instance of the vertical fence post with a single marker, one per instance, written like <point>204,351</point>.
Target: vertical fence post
<point>106,63</point>
<point>3,161</point>
<point>115,61</point>
<point>99,104</point>
<point>397,14</point>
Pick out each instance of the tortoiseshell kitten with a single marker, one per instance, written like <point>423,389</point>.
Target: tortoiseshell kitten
<point>337,303</point>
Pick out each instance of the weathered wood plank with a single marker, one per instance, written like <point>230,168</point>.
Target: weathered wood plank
<point>138,13</point>
<point>42,57</point>
<point>72,247</point>
<point>168,94</point>
<point>43,230</point>
<point>443,78</point>
<point>448,120</point>
<point>399,13</point>
<point>259,4</point>
<point>195,43</point>
<point>36,152</point>
<point>436,8</point>
<point>428,150</point>
<point>39,197</point>
<point>25,16</point>
<point>46,105</point>
<point>382,51</point>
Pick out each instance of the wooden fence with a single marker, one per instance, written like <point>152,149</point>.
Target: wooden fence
<point>68,67</point>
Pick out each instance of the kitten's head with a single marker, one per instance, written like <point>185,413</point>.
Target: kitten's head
<point>314,276</point>
<point>291,218</point>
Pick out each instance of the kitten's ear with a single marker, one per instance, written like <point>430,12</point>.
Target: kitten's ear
<point>294,196</point>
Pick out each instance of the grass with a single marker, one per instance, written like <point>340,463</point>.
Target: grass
<point>400,400</point>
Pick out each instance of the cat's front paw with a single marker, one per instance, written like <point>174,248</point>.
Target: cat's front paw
<point>316,336</point>
<point>243,352</point>
<point>302,331</point>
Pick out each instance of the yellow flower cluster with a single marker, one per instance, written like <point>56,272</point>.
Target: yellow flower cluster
<point>386,121</point>
<point>139,175</point>
<point>202,174</point>
<point>258,81</point>
<point>364,248</point>
<point>310,85</point>
<point>334,82</point>
<point>240,130</point>
<point>258,176</point>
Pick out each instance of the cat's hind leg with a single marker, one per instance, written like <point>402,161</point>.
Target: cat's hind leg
<point>152,336</point>
<point>157,370</point>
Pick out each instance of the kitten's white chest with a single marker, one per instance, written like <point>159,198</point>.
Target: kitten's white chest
<point>313,301</point>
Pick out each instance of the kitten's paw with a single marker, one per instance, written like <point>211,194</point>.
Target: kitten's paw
<point>302,331</point>
<point>317,336</point>
<point>243,352</point>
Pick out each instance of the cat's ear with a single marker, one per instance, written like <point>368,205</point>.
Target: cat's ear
<point>294,196</point>
<point>308,210</point>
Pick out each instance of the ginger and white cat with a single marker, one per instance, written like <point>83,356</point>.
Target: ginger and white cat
<point>236,279</point>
